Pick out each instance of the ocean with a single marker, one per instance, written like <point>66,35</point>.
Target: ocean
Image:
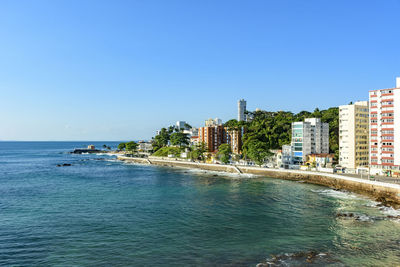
<point>103,212</point>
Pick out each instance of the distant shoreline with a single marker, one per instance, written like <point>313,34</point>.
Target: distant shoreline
<point>387,193</point>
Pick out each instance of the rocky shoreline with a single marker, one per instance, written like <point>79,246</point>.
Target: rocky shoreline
<point>385,193</point>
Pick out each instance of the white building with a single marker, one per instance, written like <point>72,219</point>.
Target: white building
<point>191,132</point>
<point>241,110</point>
<point>309,137</point>
<point>287,156</point>
<point>213,122</point>
<point>385,128</point>
<point>145,147</point>
<point>181,125</point>
<point>353,135</point>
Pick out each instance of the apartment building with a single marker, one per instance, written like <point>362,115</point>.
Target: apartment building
<point>354,135</point>
<point>213,122</point>
<point>214,134</point>
<point>309,137</point>
<point>384,148</point>
<point>234,138</point>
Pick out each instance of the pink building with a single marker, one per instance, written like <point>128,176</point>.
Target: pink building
<point>384,148</point>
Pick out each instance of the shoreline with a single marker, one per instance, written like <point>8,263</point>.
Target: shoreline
<point>386,193</point>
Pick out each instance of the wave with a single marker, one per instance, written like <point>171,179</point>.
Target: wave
<point>106,154</point>
<point>337,194</point>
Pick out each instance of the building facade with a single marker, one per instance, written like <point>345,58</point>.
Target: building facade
<point>212,137</point>
<point>384,148</point>
<point>309,137</point>
<point>233,137</point>
<point>215,134</point>
<point>213,122</point>
<point>323,160</point>
<point>241,110</point>
<point>354,135</point>
<point>181,125</point>
<point>145,147</point>
<point>287,156</point>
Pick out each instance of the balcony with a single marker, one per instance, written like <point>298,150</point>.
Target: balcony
<point>387,94</point>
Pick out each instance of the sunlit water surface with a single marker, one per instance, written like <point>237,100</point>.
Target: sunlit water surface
<point>102,212</point>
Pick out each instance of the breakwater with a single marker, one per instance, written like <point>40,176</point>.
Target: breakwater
<point>388,194</point>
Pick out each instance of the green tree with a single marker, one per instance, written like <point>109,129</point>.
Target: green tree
<point>161,140</point>
<point>274,128</point>
<point>131,146</point>
<point>121,146</point>
<point>257,151</point>
<point>235,125</point>
<point>198,151</point>
<point>224,152</point>
<point>179,139</point>
<point>172,129</point>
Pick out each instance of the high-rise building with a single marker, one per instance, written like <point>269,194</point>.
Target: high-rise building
<point>385,128</point>
<point>353,135</point>
<point>233,137</point>
<point>241,110</point>
<point>309,137</point>
<point>212,137</point>
<point>214,134</point>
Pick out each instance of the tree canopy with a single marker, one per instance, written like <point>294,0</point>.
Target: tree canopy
<point>197,152</point>
<point>121,146</point>
<point>161,140</point>
<point>224,152</point>
<point>257,151</point>
<point>274,128</point>
<point>131,146</point>
<point>179,139</point>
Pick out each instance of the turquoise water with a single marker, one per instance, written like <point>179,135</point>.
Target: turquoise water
<point>101,212</point>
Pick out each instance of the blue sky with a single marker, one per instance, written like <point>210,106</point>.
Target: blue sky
<point>119,70</point>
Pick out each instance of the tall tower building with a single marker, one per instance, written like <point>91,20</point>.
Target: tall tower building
<point>241,110</point>
<point>353,135</point>
<point>384,152</point>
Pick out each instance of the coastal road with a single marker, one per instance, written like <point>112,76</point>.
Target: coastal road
<point>376,178</point>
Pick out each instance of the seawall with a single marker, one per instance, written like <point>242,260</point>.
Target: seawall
<point>387,193</point>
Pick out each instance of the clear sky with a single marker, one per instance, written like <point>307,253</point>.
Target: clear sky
<point>119,70</point>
